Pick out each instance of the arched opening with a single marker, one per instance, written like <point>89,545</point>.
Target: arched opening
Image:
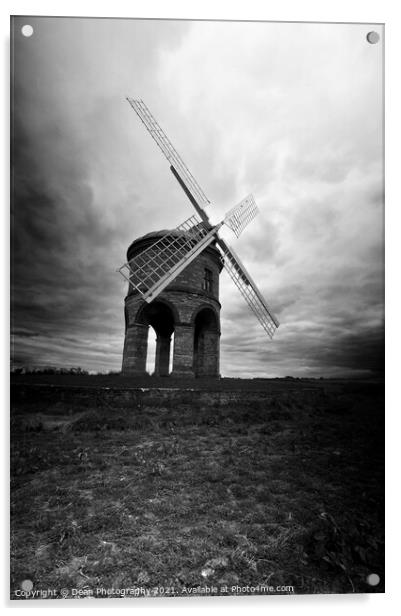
<point>159,318</point>
<point>151,351</point>
<point>206,343</point>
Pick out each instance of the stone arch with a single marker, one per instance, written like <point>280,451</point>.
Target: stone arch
<point>206,327</point>
<point>162,317</point>
<point>146,309</point>
<point>204,306</point>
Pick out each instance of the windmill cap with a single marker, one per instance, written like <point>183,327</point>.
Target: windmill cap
<point>143,242</point>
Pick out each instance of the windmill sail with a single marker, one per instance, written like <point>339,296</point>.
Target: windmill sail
<point>241,215</point>
<point>248,289</point>
<point>152,270</point>
<point>169,151</point>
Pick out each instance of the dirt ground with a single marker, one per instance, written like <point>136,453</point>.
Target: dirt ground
<point>276,497</point>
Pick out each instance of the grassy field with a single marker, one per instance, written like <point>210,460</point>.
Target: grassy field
<point>287,494</point>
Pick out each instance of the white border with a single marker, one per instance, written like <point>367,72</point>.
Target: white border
<point>283,10</point>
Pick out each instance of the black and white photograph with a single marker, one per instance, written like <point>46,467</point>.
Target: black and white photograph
<point>197,308</point>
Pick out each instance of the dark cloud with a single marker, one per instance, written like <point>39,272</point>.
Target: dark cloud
<point>249,112</point>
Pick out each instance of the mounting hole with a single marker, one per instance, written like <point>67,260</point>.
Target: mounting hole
<point>27,30</point>
<point>373,579</point>
<point>373,37</point>
<point>27,585</point>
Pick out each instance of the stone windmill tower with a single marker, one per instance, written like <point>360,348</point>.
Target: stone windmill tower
<point>173,278</point>
<point>188,307</point>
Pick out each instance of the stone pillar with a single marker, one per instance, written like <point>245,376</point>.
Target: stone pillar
<point>135,350</point>
<point>183,351</point>
<point>162,360</point>
<point>211,359</point>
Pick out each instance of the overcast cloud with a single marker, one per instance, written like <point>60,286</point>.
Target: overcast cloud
<point>289,112</point>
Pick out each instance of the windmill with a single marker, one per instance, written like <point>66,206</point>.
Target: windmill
<point>151,271</point>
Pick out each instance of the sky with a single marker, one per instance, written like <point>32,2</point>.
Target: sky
<point>291,112</point>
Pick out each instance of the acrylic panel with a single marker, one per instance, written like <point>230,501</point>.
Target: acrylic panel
<point>210,422</point>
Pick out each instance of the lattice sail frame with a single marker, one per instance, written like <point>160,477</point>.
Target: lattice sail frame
<point>150,271</point>
<point>196,234</point>
<point>248,289</point>
<point>241,215</point>
<point>168,149</point>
